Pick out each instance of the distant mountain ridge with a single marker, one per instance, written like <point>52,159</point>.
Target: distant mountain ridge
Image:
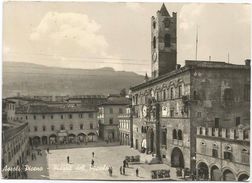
<point>35,79</point>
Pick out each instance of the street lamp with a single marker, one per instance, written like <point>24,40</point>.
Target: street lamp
<point>196,169</point>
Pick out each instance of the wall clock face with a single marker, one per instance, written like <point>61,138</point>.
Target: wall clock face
<point>154,56</point>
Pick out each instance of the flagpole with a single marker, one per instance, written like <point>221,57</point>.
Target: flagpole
<point>196,54</point>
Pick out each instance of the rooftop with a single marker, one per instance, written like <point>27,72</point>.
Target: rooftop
<point>10,129</point>
<point>190,64</point>
<point>116,101</point>
<point>45,109</point>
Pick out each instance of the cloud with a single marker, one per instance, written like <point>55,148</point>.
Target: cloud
<point>134,6</point>
<point>74,27</point>
<point>189,14</point>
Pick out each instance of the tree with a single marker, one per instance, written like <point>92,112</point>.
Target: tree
<point>123,92</point>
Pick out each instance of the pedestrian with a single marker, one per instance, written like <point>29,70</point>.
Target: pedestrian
<point>124,163</point>
<point>121,170</point>
<point>48,150</point>
<point>111,169</point>
<point>93,154</point>
<point>92,163</point>
<point>137,171</point>
<point>68,159</point>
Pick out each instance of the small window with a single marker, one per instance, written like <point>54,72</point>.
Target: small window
<point>217,122</point>
<point>91,125</point>
<point>80,115</point>
<point>62,127</point>
<point>164,134</point>
<point>34,117</point>
<point>180,91</point>
<point>228,94</point>
<point>195,97</point>
<point>44,128</point>
<point>237,121</point>
<point>171,113</point>
<point>81,126</point>
<point>90,115</point>
<point>215,153</point>
<point>111,121</point>
<point>51,116</point>
<point>26,117</point>
<point>70,116</point>
<point>61,116</point>
<point>52,127</point>
<point>35,128</point>
<point>43,116</point>
<point>120,111</point>
<point>228,155</point>
<point>71,127</point>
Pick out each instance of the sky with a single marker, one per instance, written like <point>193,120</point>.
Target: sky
<point>92,35</point>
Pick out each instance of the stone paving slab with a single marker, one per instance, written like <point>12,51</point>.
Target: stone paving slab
<point>56,166</point>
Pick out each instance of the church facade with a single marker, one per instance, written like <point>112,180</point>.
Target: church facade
<point>168,107</point>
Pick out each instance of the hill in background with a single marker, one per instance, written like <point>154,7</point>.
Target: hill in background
<point>33,79</point>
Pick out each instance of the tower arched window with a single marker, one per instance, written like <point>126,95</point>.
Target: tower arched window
<point>180,135</point>
<point>154,25</point>
<point>166,22</point>
<point>174,134</point>
<point>167,40</point>
<point>154,42</point>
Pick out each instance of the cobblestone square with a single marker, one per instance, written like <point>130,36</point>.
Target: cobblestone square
<point>55,164</point>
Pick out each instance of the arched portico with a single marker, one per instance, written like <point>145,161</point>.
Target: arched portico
<point>44,140</point>
<point>71,138</point>
<point>177,158</point>
<point>52,139</point>
<point>36,141</point>
<point>203,171</point>
<point>243,177</point>
<point>81,137</point>
<point>228,175</point>
<point>215,173</point>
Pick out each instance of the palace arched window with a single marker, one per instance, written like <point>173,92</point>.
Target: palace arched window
<point>180,135</point>
<point>174,134</point>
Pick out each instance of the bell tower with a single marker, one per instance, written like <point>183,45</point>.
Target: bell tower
<point>164,42</point>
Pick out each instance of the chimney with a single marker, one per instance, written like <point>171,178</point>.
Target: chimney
<point>146,78</point>
<point>178,66</point>
<point>247,62</point>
